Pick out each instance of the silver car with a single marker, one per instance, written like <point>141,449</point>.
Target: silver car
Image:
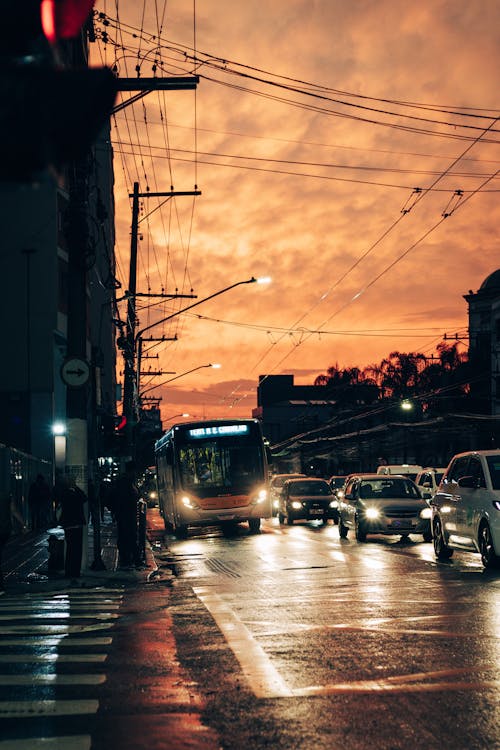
<point>383,504</point>
<point>466,507</point>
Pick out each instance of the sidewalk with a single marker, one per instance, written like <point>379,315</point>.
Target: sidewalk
<point>26,557</point>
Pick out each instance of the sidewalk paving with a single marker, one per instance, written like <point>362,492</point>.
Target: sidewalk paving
<point>26,567</point>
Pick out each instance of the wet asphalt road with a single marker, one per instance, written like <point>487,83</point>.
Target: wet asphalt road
<point>298,639</point>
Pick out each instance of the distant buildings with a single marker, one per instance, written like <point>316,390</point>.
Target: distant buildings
<point>308,431</point>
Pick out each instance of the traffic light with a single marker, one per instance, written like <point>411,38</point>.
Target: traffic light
<point>49,114</point>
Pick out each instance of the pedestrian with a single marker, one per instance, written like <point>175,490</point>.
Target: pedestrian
<point>70,500</point>
<point>39,500</point>
<point>125,497</point>
<point>8,511</point>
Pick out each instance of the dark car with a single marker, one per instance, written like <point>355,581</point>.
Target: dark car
<point>275,486</point>
<point>305,499</point>
<point>337,484</point>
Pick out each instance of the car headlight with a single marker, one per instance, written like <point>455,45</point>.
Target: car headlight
<point>188,503</point>
<point>426,513</point>
<point>153,495</point>
<point>372,513</point>
<point>334,504</point>
<point>296,505</point>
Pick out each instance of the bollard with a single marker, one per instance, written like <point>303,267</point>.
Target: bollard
<point>56,553</point>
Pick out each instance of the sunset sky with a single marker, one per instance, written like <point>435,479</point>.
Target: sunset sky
<point>348,150</point>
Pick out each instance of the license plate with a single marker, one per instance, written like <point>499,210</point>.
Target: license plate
<point>315,512</point>
<point>401,524</point>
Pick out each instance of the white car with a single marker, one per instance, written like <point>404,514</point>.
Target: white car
<point>383,504</point>
<point>466,507</point>
<point>428,480</point>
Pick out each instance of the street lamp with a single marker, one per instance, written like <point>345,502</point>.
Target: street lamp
<point>164,382</point>
<point>253,280</point>
<point>132,354</point>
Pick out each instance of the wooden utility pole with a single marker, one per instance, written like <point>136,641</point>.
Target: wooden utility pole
<point>131,381</point>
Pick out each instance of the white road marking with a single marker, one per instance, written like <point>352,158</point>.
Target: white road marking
<point>58,641</point>
<point>53,629</point>
<point>68,658</point>
<point>20,709</point>
<point>263,678</point>
<point>62,614</point>
<point>52,679</point>
<point>76,742</point>
<point>266,682</point>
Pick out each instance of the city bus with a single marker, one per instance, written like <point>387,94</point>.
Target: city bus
<point>212,473</point>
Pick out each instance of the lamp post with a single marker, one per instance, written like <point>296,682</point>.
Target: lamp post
<point>174,416</point>
<point>407,406</point>
<point>129,407</point>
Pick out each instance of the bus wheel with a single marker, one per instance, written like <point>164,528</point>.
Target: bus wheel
<point>254,525</point>
<point>181,531</point>
<point>168,525</point>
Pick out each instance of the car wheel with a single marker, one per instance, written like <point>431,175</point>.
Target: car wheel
<point>254,525</point>
<point>281,518</point>
<point>488,555</point>
<point>342,529</point>
<point>325,520</point>
<point>360,531</point>
<point>289,520</point>
<point>441,549</point>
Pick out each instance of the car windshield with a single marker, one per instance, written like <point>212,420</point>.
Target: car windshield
<point>494,467</point>
<point>309,488</point>
<point>337,482</point>
<point>388,488</point>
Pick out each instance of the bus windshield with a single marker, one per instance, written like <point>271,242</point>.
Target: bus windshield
<point>219,463</point>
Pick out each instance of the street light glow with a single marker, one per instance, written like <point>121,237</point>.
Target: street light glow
<point>59,428</point>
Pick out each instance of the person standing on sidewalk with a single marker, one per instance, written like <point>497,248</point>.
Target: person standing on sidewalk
<point>71,500</point>
<point>39,502</point>
<point>125,497</point>
<point>8,511</point>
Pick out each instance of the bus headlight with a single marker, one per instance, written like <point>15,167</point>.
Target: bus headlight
<point>188,503</point>
<point>261,497</point>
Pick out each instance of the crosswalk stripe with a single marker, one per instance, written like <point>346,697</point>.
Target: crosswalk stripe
<point>76,742</point>
<point>20,709</point>
<point>60,641</point>
<point>50,606</point>
<point>68,658</point>
<point>60,615</point>
<point>53,679</point>
<point>54,629</point>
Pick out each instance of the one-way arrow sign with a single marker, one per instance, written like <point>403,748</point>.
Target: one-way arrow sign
<point>75,372</point>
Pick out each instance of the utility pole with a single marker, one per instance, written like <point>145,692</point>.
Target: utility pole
<point>130,384</point>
